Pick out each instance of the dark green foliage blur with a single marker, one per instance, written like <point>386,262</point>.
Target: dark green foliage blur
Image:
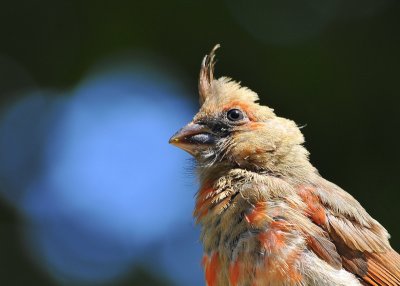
<point>338,75</point>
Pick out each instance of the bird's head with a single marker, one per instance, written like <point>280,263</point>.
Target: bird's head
<point>232,129</point>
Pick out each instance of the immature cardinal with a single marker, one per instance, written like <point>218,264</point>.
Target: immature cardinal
<point>267,216</point>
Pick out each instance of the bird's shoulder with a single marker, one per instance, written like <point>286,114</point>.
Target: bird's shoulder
<point>357,242</point>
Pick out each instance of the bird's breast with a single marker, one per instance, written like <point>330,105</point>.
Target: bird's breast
<point>246,239</point>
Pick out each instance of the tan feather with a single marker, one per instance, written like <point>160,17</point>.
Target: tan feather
<point>207,74</point>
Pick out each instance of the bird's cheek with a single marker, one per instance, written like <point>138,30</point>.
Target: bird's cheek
<point>248,154</point>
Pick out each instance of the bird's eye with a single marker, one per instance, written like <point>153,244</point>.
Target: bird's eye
<point>235,115</point>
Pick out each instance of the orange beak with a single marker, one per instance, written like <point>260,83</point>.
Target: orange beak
<point>193,138</point>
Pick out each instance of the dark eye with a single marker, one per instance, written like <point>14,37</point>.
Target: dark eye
<point>235,115</point>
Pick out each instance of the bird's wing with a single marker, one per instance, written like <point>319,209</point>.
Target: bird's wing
<point>355,238</point>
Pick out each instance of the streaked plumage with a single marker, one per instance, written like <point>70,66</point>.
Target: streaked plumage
<point>267,216</point>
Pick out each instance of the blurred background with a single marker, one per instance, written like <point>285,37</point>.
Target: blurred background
<point>90,191</point>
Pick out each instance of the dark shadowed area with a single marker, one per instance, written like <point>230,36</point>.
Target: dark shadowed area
<point>90,191</point>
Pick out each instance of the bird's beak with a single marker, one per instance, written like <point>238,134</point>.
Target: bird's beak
<point>193,138</point>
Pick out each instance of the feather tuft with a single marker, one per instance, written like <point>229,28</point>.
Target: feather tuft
<point>206,74</point>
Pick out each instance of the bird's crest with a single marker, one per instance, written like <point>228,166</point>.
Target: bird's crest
<point>206,74</point>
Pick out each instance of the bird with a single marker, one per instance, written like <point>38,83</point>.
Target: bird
<point>267,216</point>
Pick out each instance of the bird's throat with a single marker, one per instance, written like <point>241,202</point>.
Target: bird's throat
<point>212,199</point>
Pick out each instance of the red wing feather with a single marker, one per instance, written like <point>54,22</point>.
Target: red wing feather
<point>359,246</point>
